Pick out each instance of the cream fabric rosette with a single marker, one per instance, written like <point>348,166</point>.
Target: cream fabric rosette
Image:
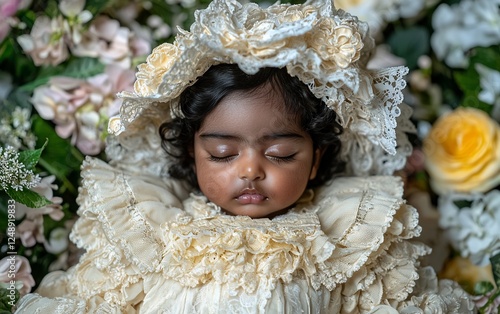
<point>463,152</point>
<point>325,48</point>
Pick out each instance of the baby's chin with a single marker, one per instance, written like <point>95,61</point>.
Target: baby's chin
<point>255,211</point>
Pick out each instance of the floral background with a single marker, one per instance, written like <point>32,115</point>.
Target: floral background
<point>62,62</point>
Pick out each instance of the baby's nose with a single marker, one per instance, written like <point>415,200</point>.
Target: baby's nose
<point>250,167</point>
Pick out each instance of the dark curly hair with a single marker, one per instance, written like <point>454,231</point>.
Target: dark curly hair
<point>198,100</point>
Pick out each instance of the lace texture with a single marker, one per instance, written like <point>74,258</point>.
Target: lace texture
<point>345,251</point>
<point>325,48</point>
<point>248,255</point>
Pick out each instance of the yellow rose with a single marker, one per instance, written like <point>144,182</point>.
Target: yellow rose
<point>463,271</point>
<point>150,74</point>
<point>463,152</point>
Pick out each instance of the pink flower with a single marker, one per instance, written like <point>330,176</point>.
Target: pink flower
<point>76,16</point>
<point>482,300</point>
<point>81,108</point>
<point>30,230</point>
<point>45,44</point>
<point>16,268</point>
<point>8,8</point>
<point>111,43</point>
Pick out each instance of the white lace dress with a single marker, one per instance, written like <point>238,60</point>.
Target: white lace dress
<point>151,247</point>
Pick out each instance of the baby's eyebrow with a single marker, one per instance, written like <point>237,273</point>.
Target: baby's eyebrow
<point>264,138</point>
<point>277,136</point>
<point>219,136</point>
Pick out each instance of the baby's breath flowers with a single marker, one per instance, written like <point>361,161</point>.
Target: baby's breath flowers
<point>15,129</point>
<point>13,173</point>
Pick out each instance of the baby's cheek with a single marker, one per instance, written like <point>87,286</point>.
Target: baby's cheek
<point>293,184</point>
<point>213,184</point>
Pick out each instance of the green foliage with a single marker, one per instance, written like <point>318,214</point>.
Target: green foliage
<point>495,267</point>
<point>6,302</point>
<point>59,158</point>
<point>77,68</point>
<point>469,80</point>
<point>30,157</point>
<point>483,287</point>
<point>409,44</point>
<point>28,198</point>
<point>97,6</point>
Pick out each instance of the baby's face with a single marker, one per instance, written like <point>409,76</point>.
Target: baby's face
<point>251,157</point>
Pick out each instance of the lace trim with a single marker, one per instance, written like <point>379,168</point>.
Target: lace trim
<point>34,304</point>
<point>243,253</point>
<point>365,232</point>
<point>114,207</point>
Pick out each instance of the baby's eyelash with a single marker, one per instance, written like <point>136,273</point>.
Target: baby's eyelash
<point>220,159</point>
<point>288,158</point>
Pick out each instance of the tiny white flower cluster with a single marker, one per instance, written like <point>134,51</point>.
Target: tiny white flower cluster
<point>13,173</point>
<point>472,229</point>
<point>15,130</point>
<point>460,27</point>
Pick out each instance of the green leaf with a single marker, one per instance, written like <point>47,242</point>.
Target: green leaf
<point>83,68</point>
<point>20,98</point>
<point>7,301</point>
<point>483,287</point>
<point>61,154</point>
<point>6,50</point>
<point>469,80</point>
<point>30,157</point>
<point>43,77</point>
<point>489,56</point>
<point>59,157</point>
<point>97,6</point>
<point>495,267</point>
<point>77,68</point>
<point>28,198</point>
<point>410,44</point>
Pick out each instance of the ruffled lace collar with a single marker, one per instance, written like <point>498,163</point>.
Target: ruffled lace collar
<point>246,254</point>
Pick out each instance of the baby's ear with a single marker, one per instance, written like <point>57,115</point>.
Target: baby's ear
<point>318,154</point>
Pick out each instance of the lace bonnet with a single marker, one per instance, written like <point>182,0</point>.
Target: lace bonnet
<point>325,48</point>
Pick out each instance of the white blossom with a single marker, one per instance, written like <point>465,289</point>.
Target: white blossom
<point>472,229</point>
<point>490,88</point>
<point>76,16</point>
<point>460,27</point>
<point>15,130</point>
<point>378,13</point>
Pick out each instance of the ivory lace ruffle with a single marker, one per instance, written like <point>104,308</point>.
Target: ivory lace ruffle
<point>246,254</point>
<point>151,247</point>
